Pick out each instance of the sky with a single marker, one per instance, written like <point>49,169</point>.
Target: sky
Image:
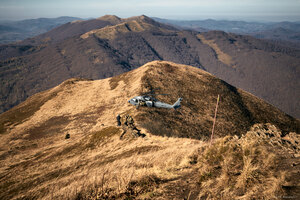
<point>249,10</point>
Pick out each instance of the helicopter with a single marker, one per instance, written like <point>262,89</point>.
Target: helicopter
<point>148,100</point>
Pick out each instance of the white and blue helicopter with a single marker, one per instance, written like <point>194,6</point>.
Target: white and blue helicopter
<point>148,100</point>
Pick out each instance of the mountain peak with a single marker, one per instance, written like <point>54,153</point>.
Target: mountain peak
<point>134,24</point>
<point>149,20</point>
<point>198,88</point>
<point>111,18</point>
<point>144,17</point>
<point>140,17</point>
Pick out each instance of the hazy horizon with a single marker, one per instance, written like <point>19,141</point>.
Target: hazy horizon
<point>233,18</point>
<point>246,10</point>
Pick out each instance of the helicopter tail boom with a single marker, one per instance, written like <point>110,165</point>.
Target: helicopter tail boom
<point>177,103</point>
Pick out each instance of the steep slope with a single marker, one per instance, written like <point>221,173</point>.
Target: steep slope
<point>238,110</point>
<point>60,33</point>
<point>72,29</point>
<point>264,69</point>
<point>38,162</point>
<point>259,67</point>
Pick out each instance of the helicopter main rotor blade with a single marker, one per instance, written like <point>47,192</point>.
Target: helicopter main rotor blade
<point>159,94</point>
<point>152,91</point>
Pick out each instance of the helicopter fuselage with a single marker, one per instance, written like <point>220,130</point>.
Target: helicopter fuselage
<point>152,102</point>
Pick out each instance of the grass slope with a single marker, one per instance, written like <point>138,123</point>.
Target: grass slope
<point>37,162</point>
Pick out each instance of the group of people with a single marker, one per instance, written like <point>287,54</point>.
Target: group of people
<point>128,125</point>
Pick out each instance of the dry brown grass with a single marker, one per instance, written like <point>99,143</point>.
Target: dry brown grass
<point>143,168</point>
<point>223,57</point>
<point>36,161</point>
<point>113,168</point>
<point>107,132</point>
<point>19,113</point>
<point>237,112</point>
<point>244,168</point>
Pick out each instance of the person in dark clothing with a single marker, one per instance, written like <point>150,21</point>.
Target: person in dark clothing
<point>126,119</point>
<point>119,120</point>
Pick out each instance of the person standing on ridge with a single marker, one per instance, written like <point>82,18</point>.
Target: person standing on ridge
<point>119,120</point>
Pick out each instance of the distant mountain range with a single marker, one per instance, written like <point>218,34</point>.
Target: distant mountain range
<point>13,31</point>
<point>277,31</point>
<point>285,33</point>
<point>108,46</point>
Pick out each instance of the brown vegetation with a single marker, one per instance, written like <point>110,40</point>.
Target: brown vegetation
<point>223,57</point>
<point>161,168</point>
<point>173,161</point>
<point>238,110</point>
<point>248,167</point>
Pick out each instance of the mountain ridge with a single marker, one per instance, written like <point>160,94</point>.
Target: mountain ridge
<point>38,160</point>
<point>262,68</point>
<point>156,74</point>
<point>260,30</point>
